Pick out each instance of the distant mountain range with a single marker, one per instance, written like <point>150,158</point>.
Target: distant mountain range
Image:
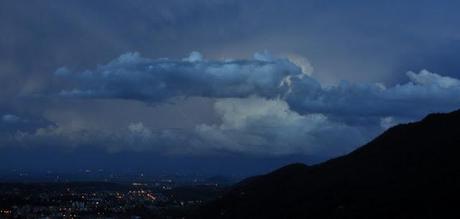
<point>410,171</point>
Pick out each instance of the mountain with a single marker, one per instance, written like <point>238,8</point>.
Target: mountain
<point>410,171</point>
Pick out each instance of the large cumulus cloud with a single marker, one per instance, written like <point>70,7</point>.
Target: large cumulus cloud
<point>263,126</point>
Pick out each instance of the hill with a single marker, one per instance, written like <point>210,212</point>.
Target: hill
<point>410,171</point>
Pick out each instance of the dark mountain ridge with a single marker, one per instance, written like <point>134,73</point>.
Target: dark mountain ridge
<point>410,171</point>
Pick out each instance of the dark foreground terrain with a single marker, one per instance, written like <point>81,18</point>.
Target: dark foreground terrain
<point>410,171</point>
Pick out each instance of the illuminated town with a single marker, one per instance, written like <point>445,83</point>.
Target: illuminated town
<point>101,200</point>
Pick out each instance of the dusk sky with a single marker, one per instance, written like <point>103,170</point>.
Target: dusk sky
<point>214,86</point>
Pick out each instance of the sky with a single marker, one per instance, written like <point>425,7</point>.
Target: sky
<point>214,86</point>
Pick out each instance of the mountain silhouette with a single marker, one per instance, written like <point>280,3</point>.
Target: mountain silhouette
<point>410,171</point>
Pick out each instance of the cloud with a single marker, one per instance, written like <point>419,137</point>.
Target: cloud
<point>263,106</point>
<point>12,126</point>
<point>302,62</point>
<point>425,92</point>
<point>267,105</point>
<point>194,57</point>
<point>135,137</point>
<point>252,125</point>
<point>427,78</point>
<point>10,118</point>
<point>388,122</point>
<point>155,80</point>
<point>262,126</point>
<point>11,123</point>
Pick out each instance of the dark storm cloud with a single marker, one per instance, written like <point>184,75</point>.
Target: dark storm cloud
<point>425,92</point>
<point>155,80</point>
<point>12,126</point>
<point>11,123</point>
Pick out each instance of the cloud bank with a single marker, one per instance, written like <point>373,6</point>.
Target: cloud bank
<point>265,105</point>
<point>253,125</point>
<point>156,80</point>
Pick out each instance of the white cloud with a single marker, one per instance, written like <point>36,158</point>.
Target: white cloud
<point>302,62</point>
<point>262,126</point>
<point>387,122</point>
<point>426,78</point>
<point>194,57</point>
<point>139,129</point>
